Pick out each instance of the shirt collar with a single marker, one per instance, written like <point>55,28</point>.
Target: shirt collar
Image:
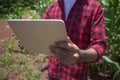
<point>61,5</point>
<point>81,1</point>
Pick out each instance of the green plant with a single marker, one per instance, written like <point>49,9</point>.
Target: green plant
<point>112,19</point>
<point>42,5</point>
<point>7,45</point>
<point>14,8</point>
<point>110,62</point>
<point>17,8</point>
<point>3,74</point>
<point>36,74</point>
<point>6,59</point>
<point>115,67</point>
<point>9,48</point>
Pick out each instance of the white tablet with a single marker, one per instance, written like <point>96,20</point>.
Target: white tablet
<point>37,35</point>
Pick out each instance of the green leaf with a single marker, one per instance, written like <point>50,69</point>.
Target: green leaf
<point>105,3</point>
<point>107,59</point>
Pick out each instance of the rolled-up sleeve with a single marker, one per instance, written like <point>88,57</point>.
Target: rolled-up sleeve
<point>98,36</point>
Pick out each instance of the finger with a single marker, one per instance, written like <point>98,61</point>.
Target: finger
<point>62,51</point>
<point>60,56</point>
<point>65,54</point>
<point>76,55</point>
<point>68,39</point>
<point>62,44</point>
<point>52,50</point>
<point>57,51</point>
<point>73,45</point>
<point>65,45</point>
<point>63,59</point>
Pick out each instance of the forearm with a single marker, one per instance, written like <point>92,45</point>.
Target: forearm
<point>88,55</point>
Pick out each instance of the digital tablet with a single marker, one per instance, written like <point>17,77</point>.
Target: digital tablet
<point>37,35</point>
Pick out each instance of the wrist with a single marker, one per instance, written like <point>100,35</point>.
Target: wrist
<point>81,56</point>
<point>88,55</point>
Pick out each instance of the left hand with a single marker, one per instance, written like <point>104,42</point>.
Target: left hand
<point>66,51</point>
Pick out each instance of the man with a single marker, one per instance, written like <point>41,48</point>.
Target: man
<point>84,20</point>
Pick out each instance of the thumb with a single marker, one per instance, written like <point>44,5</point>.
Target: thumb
<point>68,39</point>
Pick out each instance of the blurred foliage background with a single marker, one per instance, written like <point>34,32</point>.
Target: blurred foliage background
<point>16,8</point>
<point>110,62</point>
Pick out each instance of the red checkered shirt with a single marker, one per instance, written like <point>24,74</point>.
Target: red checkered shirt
<point>85,27</point>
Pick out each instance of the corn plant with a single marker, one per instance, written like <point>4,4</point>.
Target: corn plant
<point>110,62</point>
<point>112,19</point>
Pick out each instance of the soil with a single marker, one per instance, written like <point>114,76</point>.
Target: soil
<point>5,30</point>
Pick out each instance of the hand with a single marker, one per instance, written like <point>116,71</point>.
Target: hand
<point>66,51</point>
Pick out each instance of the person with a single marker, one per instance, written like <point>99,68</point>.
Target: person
<point>84,20</point>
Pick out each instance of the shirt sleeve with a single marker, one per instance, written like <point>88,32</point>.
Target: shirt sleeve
<point>98,36</point>
<point>48,10</point>
<point>45,15</point>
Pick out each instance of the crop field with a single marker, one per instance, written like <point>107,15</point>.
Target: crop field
<point>18,64</point>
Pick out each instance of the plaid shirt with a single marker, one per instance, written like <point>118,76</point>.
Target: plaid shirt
<point>85,27</point>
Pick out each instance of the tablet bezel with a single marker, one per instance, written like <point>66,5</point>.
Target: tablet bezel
<point>37,35</point>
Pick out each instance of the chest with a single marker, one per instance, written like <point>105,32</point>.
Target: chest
<point>78,22</point>
<point>79,17</point>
